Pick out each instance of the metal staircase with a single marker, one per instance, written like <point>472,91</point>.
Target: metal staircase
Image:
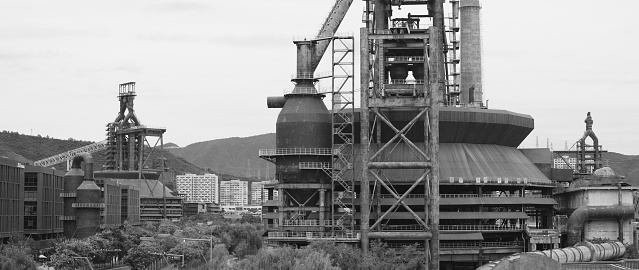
<point>343,88</point>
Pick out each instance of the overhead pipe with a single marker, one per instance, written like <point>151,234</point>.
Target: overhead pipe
<point>88,164</point>
<point>584,213</point>
<point>582,252</point>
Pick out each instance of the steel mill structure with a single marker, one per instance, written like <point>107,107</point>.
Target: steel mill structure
<point>422,160</point>
<point>130,160</point>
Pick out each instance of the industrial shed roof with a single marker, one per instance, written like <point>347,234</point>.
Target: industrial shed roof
<point>463,160</point>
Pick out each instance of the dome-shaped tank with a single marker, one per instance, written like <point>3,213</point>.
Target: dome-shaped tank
<point>303,124</point>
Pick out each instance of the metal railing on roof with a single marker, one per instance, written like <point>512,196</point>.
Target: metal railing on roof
<point>296,151</point>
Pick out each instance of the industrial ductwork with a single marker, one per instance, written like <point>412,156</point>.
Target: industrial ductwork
<point>584,213</point>
<point>88,164</point>
<point>582,252</point>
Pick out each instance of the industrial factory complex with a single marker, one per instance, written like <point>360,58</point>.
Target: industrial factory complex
<point>404,152</point>
<point>422,160</point>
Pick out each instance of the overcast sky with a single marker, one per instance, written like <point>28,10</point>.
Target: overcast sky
<point>204,68</point>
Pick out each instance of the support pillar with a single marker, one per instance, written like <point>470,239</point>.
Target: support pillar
<point>280,211</point>
<point>364,126</point>
<point>322,210</point>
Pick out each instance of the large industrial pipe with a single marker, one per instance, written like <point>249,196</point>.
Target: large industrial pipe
<point>276,102</point>
<point>582,252</point>
<point>88,164</point>
<point>584,213</point>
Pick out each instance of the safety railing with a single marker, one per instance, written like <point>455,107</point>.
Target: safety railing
<point>68,195</point>
<point>402,228</point>
<point>499,180</point>
<point>315,165</point>
<point>405,82</point>
<point>311,75</point>
<point>87,205</point>
<point>479,228</point>
<point>311,222</point>
<point>313,235</point>
<point>409,196</point>
<point>296,151</point>
<point>405,58</point>
<point>481,244</point>
<point>306,91</point>
<point>492,196</point>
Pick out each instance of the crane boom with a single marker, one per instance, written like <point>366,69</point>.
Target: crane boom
<point>332,22</point>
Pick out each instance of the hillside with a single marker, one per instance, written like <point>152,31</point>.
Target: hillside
<point>25,148</point>
<point>627,166</point>
<point>231,155</point>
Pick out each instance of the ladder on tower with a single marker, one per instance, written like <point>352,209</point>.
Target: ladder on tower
<point>67,156</point>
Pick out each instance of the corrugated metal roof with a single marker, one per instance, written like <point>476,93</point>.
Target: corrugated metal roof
<point>486,160</point>
<point>474,236</point>
<point>468,161</point>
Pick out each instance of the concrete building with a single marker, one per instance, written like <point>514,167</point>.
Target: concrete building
<point>43,206</point>
<point>156,202</point>
<point>111,214</point>
<point>565,162</point>
<point>599,207</point>
<point>259,194</point>
<point>198,188</point>
<point>234,193</point>
<point>11,197</point>
<point>130,210</point>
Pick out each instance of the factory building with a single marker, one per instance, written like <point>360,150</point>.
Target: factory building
<point>128,147</point>
<point>43,206</point>
<point>421,160</point>
<point>11,198</point>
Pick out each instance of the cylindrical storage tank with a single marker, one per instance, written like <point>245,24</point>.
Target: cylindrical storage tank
<point>470,50</point>
<point>87,209</point>
<point>72,180</point>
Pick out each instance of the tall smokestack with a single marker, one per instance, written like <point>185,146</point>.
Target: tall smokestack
<point>470,35</point>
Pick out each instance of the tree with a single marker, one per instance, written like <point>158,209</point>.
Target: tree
<point>14,257</point>
<point>192,251</point>
<point>63,260</point>
<point>141,256</point>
